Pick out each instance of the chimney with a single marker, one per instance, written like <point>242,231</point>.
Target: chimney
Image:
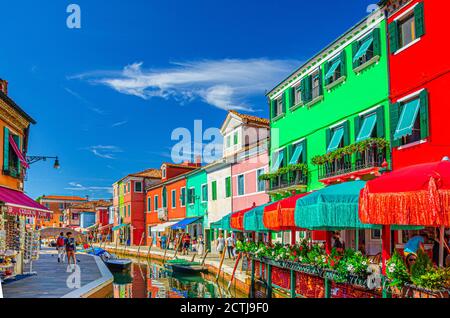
<point>198,161</point>
<point>4,86</point>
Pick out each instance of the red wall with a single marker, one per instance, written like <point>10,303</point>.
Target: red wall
<point>425,65</point>
<point>137,218</point>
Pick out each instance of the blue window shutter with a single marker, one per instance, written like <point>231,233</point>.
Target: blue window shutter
<point>376,42</point>
<point>343,65</point>
<point>419,20</point>
<point>380,122</point>
<point>394,111</point>
<point>424,122</point>
<point>6,149</point>
<point>393,37</point>
<point>304,154</point>
<point>326,67</point>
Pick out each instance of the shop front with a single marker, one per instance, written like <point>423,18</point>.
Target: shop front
<point>19,238</point>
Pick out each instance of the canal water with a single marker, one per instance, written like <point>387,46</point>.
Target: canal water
<point>152,280</point>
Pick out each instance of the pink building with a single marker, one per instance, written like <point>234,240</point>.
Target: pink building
<point>245,144</point>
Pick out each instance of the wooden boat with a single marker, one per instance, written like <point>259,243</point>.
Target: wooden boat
<point>185,267</point>
<point>118,264</point>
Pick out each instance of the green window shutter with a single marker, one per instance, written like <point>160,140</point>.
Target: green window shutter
<point>346,133</point>
<point>309,88</point>
<point>272,104</point>
<point>303,89</point>
<point>304,154</point>
<point>376,42</point>
<point>393,37</point>
<point>327,137</point>
<point>355,48</point>
<point>214,190</point>
<point>419,20</point>
<point>228,187</point>
<point>380,122</point>
<point>343,65</point>
<point>357,122</point>
<point>424,122</point>
<point>285,101</point>
<point>291,94</point>
<point>326,67</point>
<point>285,158</point>
<point>320,82</point>
<point>289,153</point>
<point>394,112</point>
<point>6,149</point>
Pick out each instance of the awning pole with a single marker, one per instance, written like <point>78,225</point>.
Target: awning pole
<point>357,240</point>
<point>328,246</point>
<point>441,246</point>
<point>386,246</point>
<point>293,237</point>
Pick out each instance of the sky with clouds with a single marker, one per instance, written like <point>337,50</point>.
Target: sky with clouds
<point>107,97</point>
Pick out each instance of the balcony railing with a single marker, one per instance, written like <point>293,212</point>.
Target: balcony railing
<point>371,157</point>
<point>291,179</point>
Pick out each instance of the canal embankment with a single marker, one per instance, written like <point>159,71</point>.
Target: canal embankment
<point>90,279</point>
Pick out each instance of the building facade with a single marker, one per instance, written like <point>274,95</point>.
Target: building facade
<point>197,202</point>
<point>57,204</point>
<point>418,82</point>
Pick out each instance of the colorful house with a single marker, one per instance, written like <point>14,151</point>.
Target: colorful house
<point>329,118</point>
<point>166,200</point>
<point>129,203</point>
<point>197,202</point>
<point>418,81</point>
<point>57,204</point>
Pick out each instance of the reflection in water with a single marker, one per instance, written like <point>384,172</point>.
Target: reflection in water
<point>154,281</point>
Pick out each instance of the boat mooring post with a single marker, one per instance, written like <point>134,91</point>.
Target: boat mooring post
<point>167,246</point>
<point>150,247</point>
<point>179,245</point>
<point>269,281</point>
<point>234,269</point>
<point>220,265</point>
<point>204,256</point>
<point>140,243</point>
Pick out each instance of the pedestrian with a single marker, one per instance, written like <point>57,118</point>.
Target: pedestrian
<point>71,248</point>
<point>220,244</point>
<point>339,244</point>
<point>415,244</point>
<point>194,244</point>
<point>60,247</point>
<point>163,241</point>
<point>186,244</point>
<point>230,246</point>
<point>200,245</point>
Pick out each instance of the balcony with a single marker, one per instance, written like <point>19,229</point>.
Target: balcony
<point>357,162</point>
<point>285,180</point>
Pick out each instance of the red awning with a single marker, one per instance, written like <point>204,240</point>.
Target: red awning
<point>18,203</point>
<point>237,219</point>
<point>279,216</point>
<point>415,195</point>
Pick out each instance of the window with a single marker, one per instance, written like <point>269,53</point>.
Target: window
<point>214,190</point>
<point>183,197</point>
<point>311,86</point>
<point>277,160</point>
<point>296,153</point>
<point>261,184</point>
<point>228,187</point>
<point>61,206</point>
<point>129,210</point>
<point>47,205</point>
<point>366,49</point>
<point>404,31</point>
<point>316,85</point>
<point>11,164</point>
<point>240,185</point>
<point>204,192</point>
<point>367,129</point>
<point>337,139</point>
<point>156,203</point>
<point>236,138</point>
<point>375,234</point>
<point>297,95</point>
<point>174,198</point>
<point>191,195</point>
<point>163,172</point>
<point>137,186</point>
<point>409,118</point>
<point>335,69</point>
<point>164,197</point>
<point>277,107</point>
<point>228,141</point>
<point>149,204</point>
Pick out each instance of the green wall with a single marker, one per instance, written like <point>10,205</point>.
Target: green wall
<point>358,93</point>
<point>121,194</point>
<point>199,208</point>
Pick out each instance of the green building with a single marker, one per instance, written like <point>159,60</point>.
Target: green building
<point>329,119</point>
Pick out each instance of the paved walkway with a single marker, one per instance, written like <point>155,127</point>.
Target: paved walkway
<point>54,281</point>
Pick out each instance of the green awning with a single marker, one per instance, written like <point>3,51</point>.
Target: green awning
<point>332,208</point>
<point>407,119</point>
<point>367,127</point>
<point>253,220</point>
<point>223,224</point>
<point>363,49</point>
<point>297,152</point>
<point>336,139</point>
<point>278,161</point>
<point>332,69</point>
<point>120,226</point>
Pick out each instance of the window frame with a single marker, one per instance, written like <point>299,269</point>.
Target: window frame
<point>155,202</point>
<point>135,186</point>
<point>183,197</point>
<point>238,193</point>
<point>204,186</point>
<point>173,198</point>
<point>260,172</point>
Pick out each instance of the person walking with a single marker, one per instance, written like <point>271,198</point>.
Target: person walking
<point>71,248</point>
<point>230,246</point>
<point>200,245</point>
<point>220,244</point>
<point>61,247</point>
<point>186,244</point>
<point>163,241</point>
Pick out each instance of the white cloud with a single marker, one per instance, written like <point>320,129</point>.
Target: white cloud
<point>120,123</point>
<point>226,84</point>
<point>105,152</point>
<point>74,186</point>
<point>90,105</point>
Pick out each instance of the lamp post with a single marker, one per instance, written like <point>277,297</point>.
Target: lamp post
<point>34,159</point>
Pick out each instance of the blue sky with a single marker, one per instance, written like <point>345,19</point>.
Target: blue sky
<point>107,97</point>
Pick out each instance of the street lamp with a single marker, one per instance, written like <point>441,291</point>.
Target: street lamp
<point>33,159</point>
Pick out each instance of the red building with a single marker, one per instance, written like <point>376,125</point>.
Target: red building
<point>419,77</point>
<point>166,201</point>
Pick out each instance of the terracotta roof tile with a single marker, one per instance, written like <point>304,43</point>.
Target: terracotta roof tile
<point>91,205</point>
<point>251,118</point>
<point>63,197</point>
<point>149,173</point>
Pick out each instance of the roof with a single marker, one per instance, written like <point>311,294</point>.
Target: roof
<point>62,198</point>
<point>148,173</point>
<point>175,165</point>
<point>92,205</point>
<point>250,119</point>
<point>169,181</point>
<point>11,103</point>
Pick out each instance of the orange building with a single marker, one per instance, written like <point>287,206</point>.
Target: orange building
<point>166,200</point>
<point>57,204</point>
